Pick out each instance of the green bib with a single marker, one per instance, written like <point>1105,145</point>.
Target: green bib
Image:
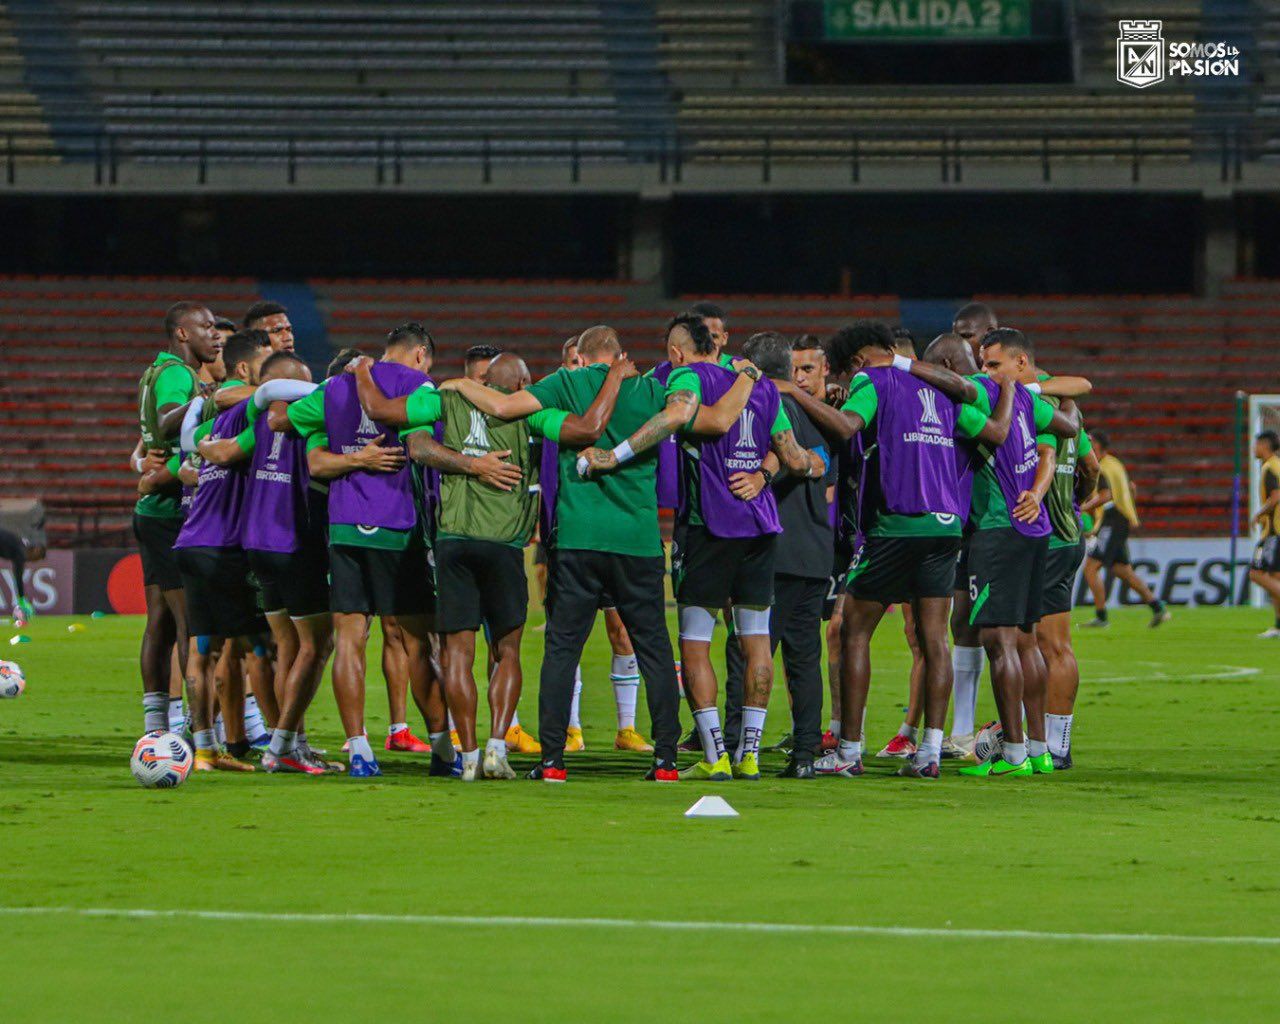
<point>468,506</point>
<point>1062,512</point>
<point>148,413</point>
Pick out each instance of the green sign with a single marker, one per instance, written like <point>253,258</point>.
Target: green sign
<point>952,19</point>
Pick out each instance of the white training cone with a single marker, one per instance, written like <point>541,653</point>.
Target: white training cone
<point>711,807</point>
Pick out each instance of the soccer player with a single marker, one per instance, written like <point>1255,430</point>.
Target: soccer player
<point>17,551</point>
<point>164,391</point>
<point>274,319</point>
<point>377,556</point>
<point>910,514</point>
<point>716,320</point>
<point>477,359</point>
<point>726,547</point>
<point>1117,497</point>
<point>483,526</point>
<point>607,541</point>
<point>1265,570</point>
<point>803,559</point>
<point>971,323</point>
<point>221,604</point>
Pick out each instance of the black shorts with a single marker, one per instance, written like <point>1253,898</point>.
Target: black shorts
<point>892,569</point>
<point>220,599</point>
<point>295,581</point>
<point>1111,545</point>
<point>539,553</point>
<point>156,536</point>
<point>1060,568</point>
<point>376,581</point>
<point>1006,578</point>
<point>1266,556</point>
<point>962,564</point>
<point>711,571</point>
<point>480,581</point>
<point>836,585</point>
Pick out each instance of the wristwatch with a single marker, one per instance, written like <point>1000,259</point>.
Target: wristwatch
<point>751,371</point>
<point>768,477</point>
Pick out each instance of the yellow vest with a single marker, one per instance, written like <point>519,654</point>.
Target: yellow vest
<point>1117,478</point>
<point>1270,525</point>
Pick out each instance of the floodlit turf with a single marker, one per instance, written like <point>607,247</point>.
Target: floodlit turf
<point>1170,826</point>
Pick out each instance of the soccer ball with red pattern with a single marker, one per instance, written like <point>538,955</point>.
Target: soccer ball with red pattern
<point>160,760</point>
<point>12,681</point>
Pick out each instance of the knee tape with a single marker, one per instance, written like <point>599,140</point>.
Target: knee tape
<point>697,623</point>
<point>750,621</point>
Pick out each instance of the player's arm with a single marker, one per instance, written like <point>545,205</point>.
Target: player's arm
<point>373,457</point>
<point>680,409</point>
<point>491,467</point>
<point>1066,387</point>
<point>162,477</point>
<point>716,419</point>
<point>794,459</point>
<point>746,485</point>
<point>996,429</point>
<point>950,383</point>
<point>1087,474</point>
<point>577,431</point>
<point>391,411</point>
<point>836,425</point>
<point>225,398</point>
<point>1064,422</point>
<point>1272,485</point>
<point>292,405</point>
<point>1027,509</point>
<point>227,451</point>
<point>173,392</point>
<point>512,406</point>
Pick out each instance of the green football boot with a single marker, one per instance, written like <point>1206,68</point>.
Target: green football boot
<point>998,767</point>
<point>1042,764</point>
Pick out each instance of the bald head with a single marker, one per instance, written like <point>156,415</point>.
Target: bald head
<point>509,372</point>
<point>599,344</point>
<point>952,352</point>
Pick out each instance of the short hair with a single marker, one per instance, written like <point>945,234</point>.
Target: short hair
<point>709,311</point>
<point>1100,438</point>
<point>695,324</point>
<point>904,341</point>
<point>807,341</point>
<point>570,342</point>
<point>1271,437</point>
<point>176,313</point>
<point>477,352</point>
<point>411,333</point>
<point>771,352</point>
<point>595,340</point>
<point>277,360</point>
<point>223,323</point>
<point>852,339</point>
<point>1009,337</point>
<point>262,310</point>
<point>242,347</point>
<point>975,311</point>
<point>339,362</point>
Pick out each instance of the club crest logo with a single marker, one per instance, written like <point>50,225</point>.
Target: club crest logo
<point>478,435</point>
<point>1140,54</point>
<point>746,429</point>
<point>929,409</point>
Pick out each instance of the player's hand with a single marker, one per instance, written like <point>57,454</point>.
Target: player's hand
<point>377,459</point>
<point>624,368</point>
<point>594,462</point>
<point>154,459</point>
<point>1027,510</point>
<point>746,486</point>
<point>356,363</point>
<point>837,394</point>
<point>452,384</point>
<point>188,474</point>
<point>786,387</point>
<point>492,468</point>
<point>745,364</point>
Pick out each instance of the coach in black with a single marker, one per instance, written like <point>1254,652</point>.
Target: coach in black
<point>802,564</point>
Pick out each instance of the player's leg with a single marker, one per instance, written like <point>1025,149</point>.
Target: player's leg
<point>285,639</point>
<point>1124,572</point>
<point>861,617</point>
<point>930,617</point>
<point>202,697</point>
<point>315,642</point>
<point>14,551</point>
<point>735,670</point>
<point>967,660</point>
<point>395,673</point>
<point>1053,634</point>
<point>832,735</point>
<point>350,638</point>
<point>154,659</point>
<point>505,682</point>
<point>697,628</point>
<point>573,597</point>
<point>624,676</point>
<point>1035,682</point>
<point>460,693</point>
<point>1099,558</point>
<point>903,744</point>
<point>751,625</point>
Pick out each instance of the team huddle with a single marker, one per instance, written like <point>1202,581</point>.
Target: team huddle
<point>810,480</point>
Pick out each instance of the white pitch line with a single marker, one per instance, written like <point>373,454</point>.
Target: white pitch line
<point>766,927</point>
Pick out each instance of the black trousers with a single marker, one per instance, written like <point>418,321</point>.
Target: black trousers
<point>13,550</point>
<point>575,582</point>
<point>795,624</point>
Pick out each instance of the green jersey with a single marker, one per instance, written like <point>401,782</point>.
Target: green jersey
<point>989,510</point>
<point>616,512</point>
<point>167,381</point>
<point>469,507</point>
<point>1061,499</point>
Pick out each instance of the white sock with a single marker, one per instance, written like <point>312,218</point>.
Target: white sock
<point>909,731</point>
<point>471,756</point>
<point>931,747</point>
<point>850,750</point>
<point>833,727</point>
<point>708,722</point>
<point>219,730</point>
<point>752,730</point>
<point>496,746</point>
<point>254,724</point>
<point>1014,753</point>
<point>1057,731</point>
<point>966,664</point>
<point>283,741</point>
<point>625,677</point>
<point>155,712</point>
<point>359,745</point>
<point>205,739</point>
<point>1036,747</point>
<point>442,746</point>
<point>396,727</point>
<point>177,714</point>
<point>574,721</point>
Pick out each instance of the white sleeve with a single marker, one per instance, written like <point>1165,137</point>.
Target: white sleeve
<point>189,424</point>
<point>282,391</point>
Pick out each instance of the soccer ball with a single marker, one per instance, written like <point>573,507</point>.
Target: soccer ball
<point>160,760</point>
<point>12,681</point>
<point>986,745</point>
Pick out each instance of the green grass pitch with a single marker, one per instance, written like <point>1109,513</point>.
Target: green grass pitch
<point>1168,828</point>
